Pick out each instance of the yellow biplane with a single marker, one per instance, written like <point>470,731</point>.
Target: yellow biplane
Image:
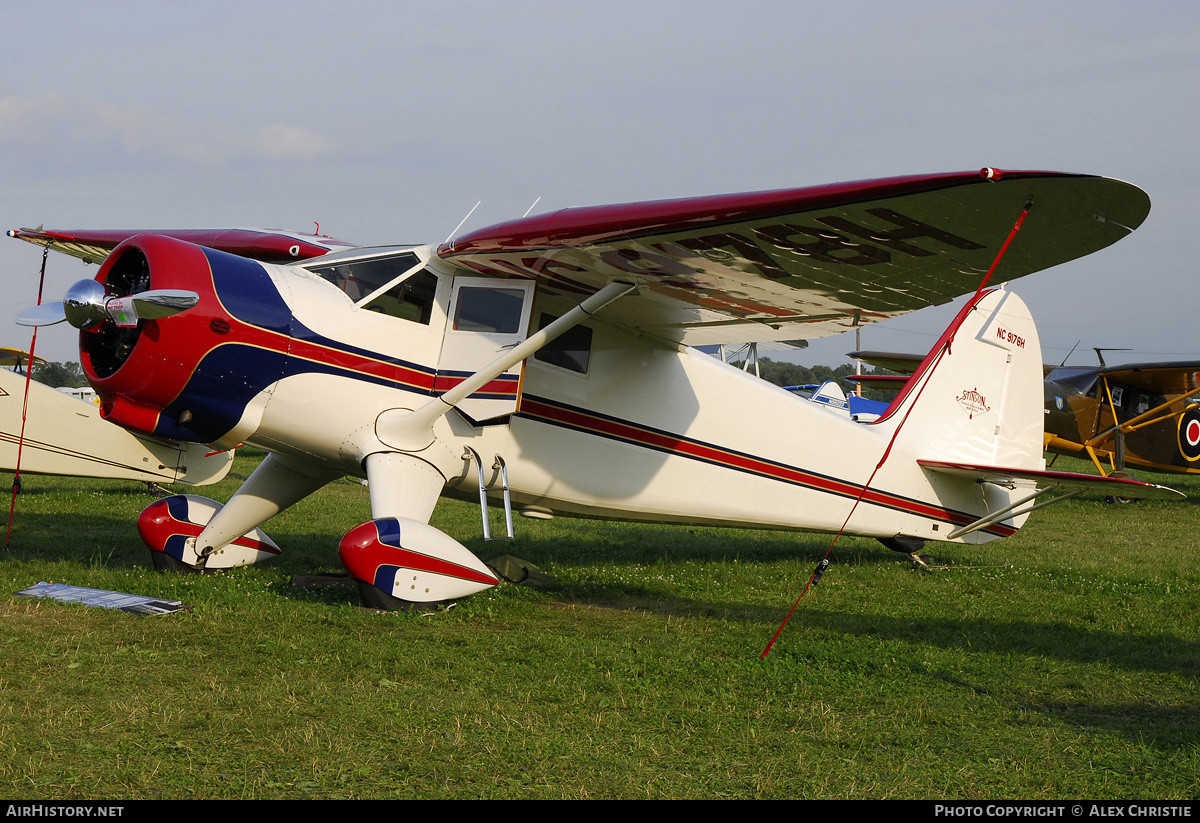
<point>1143,415</point>
<point>17,359</point>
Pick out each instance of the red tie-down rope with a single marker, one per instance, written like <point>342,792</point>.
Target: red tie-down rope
<point>16,486</point>
<point>944,344</point>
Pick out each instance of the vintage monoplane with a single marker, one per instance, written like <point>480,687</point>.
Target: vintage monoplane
<point>1143,415</point>
<point>548,360</point>
<point>44,431</point>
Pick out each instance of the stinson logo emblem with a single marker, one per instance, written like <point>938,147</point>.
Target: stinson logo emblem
<point>973,403</point>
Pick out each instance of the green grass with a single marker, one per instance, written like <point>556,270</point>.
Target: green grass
<point>1060,663</point>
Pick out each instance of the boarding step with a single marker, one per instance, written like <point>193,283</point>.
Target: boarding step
<point>500,473</point>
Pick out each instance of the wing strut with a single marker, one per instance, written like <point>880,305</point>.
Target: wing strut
<point>412,431</point>
<point>1146,418</point>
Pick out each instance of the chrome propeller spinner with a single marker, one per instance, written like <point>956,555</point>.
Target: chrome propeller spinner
<point>86,306</point>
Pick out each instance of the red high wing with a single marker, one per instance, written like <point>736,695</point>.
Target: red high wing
<point>267,245</point>
<point>806,263</point>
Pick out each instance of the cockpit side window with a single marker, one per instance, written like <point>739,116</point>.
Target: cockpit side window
<point>1080,380</point>
<point>410,299</point>
<point>358,278</point>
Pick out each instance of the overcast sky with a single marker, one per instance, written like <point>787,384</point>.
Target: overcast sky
<point>386,122</point>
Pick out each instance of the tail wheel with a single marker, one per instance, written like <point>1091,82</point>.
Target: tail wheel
<point>904,544</point>
<point>1121,501</point>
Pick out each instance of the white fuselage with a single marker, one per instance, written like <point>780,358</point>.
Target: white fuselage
<point>651,431</point>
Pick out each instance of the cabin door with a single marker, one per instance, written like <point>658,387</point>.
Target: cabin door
<point>485,317</point>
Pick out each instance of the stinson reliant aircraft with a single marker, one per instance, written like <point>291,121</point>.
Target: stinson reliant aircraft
<point>549,360</point>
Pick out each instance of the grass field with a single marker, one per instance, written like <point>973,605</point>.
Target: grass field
<point>1061,663</point>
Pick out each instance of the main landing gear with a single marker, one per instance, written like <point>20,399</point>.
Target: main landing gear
<point>170,528</point>
<point>400,562</point>
<point>397,559</point>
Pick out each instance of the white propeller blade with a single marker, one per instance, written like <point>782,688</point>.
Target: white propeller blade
<point>87,306</point>
<point>46,314</point>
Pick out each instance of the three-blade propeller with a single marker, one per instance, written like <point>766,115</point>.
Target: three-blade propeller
<point>86,306</point>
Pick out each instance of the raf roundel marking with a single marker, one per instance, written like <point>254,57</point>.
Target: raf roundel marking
<point>1189,435</point>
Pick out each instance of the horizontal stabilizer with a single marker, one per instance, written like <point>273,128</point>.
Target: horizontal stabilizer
<point>1056,481</point>
<point>899,362</point>
<point>1039,482</point>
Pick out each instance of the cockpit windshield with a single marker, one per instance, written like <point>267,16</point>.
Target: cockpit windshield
<point>1082,380</point>
<point>391,283</point>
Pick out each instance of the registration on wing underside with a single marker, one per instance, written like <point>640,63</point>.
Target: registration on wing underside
<point>802,272</point>
<point>805,256</point>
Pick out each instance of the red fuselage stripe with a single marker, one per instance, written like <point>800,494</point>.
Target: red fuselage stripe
<point>634,434</point>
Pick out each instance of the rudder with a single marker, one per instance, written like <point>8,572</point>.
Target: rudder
<point>977,397</point>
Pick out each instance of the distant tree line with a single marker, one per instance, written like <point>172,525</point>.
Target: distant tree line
<point>60,374</point>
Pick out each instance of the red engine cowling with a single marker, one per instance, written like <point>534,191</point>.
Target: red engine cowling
<point>188,376</point>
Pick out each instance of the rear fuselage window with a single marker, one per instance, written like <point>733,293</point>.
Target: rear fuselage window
<point>570,350</point>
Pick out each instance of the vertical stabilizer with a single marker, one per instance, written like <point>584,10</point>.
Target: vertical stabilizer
<point>977,396</point>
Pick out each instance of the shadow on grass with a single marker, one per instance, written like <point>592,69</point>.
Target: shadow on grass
<point>80,536</point>
<point>1163,727</point>
<point>38,486</point>
<point>77,537</point>
<point>603,542</point>
<point>1059,641</point>
<point>108,533</point>
<point>1163,653</point>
